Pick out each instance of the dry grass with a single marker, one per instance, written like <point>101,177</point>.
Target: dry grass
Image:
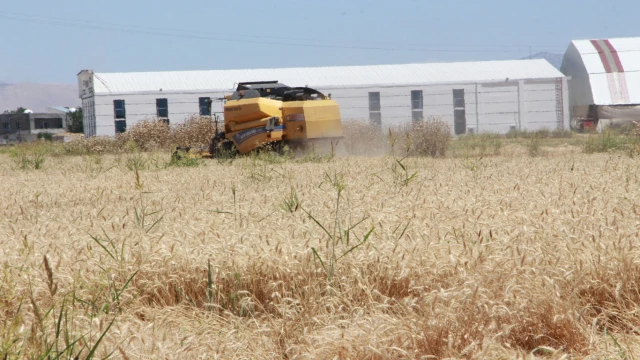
<point>428,138</point>
<point>148,135</point>
<point>364,139</point>
<point>474,258</point>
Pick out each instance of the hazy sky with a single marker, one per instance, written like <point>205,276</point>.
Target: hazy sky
<point>50,41</point>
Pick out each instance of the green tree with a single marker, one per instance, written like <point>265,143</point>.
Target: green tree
<point>74,123</point>
<point>19,110</point>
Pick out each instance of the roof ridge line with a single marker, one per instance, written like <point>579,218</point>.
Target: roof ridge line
<point>323,66</point>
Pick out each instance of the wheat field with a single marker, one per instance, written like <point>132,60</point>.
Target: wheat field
<point>506,256</point>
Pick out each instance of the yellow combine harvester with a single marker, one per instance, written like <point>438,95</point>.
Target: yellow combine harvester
<point>268,112</point>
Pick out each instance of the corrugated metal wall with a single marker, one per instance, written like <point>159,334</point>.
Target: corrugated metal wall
<point>489,107</point>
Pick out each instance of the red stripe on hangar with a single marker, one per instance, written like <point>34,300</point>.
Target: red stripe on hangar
<point>615,55</point>
<point>603,57</point>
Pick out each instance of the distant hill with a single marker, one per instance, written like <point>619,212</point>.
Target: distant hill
<point>553,59</point>
<point>37,97</point>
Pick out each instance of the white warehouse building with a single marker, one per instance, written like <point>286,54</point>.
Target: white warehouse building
<point>489,96</point>
<point>605,81</point>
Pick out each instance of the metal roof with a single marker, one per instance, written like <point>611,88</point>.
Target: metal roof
<point>326,77</point>
<point>613,67</point>
<point>62,109</point>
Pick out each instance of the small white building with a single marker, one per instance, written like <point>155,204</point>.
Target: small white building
<point>489,96</point>
<point>604,83</point>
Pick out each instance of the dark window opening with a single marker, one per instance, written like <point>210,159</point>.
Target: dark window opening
<point>459,121</point>
<point>416,105</point>
<point>47,123</point>
<point>374,101</point>
<point>459,112</point>
<point>205,110</point>
<point>6,126</point>
<point>375,117</point>
<point>121,126</point>
<point>162,108</point>
<point>118,109</point>
<point>416,100</point>
<point>458,98</point>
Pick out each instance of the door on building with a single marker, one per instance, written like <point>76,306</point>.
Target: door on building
<point>459,113</point>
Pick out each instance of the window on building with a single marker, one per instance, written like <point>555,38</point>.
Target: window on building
<point>121,126</point>
<point>118,109</point>
<point>5,126</point>
<point>375,117</point>
<point>47,123</point>
<point>204,106</point>
<point>416,105</point>
<point>416,100</point>
<point>459,121</point>
<point>458,98</point>
<point>459,112</point>
<point>162,108</point>
<point>374,101</point>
